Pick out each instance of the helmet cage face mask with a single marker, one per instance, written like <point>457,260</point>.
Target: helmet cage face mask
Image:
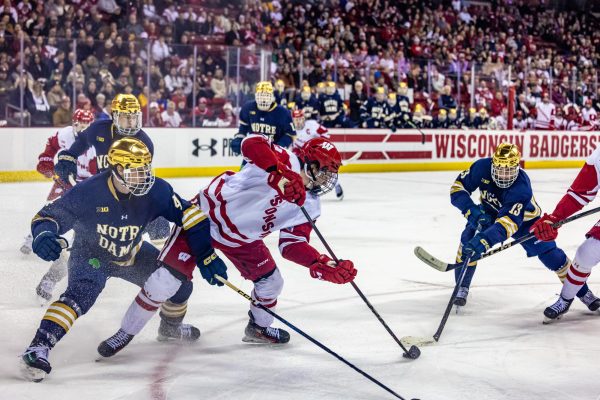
<point>299,122</point>
<point>504,176</point>
<point>138,180</point>
<point>127,123</point>
<point>321,180</point>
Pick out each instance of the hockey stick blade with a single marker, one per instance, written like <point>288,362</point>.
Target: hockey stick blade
<point>352,159</point>
<point>417,341</point>
<point>430,260</point>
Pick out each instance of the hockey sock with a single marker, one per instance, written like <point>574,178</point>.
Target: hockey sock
<point>173,313</point>
<point>59,318</point>
<point>574,281</point>
<point>266,290</point>
<point>562,274</point>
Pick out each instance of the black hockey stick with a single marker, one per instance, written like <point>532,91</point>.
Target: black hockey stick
<point>420,131</point>
<point>438,264</point>
<point>422,341</point>
<point>413,353</point>
<point>308,337</point>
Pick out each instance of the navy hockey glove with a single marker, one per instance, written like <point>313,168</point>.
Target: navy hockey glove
<point>210,266</point>
<point>66,166</point>
<point>476,246</point>
<point>48,245</point>
<point>477,218</point>
<point>236,144</point>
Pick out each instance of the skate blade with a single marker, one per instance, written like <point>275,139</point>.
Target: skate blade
<point>32,374</point>
<point>548,321</point>
<point>255,340</point>
<point>168,339</point>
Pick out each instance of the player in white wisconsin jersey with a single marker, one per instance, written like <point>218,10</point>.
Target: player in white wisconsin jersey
<point>545,112</point>
<point>310,129</point>
<point>245,207</point>
<point>86,167</point>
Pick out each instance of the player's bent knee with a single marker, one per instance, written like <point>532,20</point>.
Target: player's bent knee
<point>554,259</point>
<point>269,286</point>
<point>161,285</point>
<point>587,255</point>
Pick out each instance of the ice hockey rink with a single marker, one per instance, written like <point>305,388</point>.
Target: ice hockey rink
<point>495,348</point>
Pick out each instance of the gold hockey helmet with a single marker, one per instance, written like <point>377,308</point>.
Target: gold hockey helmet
<point>135,160</point>
<point>126,114</point>
<point>505,165</point>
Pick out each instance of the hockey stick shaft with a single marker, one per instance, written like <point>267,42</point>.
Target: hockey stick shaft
<point>354,285</point>
<point>442,324</point>
<point>529,236</point>
<point>420,131</point>
<point>307,336</point>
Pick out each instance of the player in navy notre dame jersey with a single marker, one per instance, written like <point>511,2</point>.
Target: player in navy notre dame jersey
<point>508,209</point>
<point>264,116</point>
<point>126,122</point>
<point>108,213</point>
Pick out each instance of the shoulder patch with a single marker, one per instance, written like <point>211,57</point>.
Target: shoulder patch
<point>252,112</point>
<point>100,138</point>
<point>102,209</point>
<point>483,180</point>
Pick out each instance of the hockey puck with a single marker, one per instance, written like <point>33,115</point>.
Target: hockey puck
<point>413,353</point>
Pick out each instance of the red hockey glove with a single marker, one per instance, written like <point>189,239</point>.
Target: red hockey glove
<point>288,184</point>
<point>325,269</point>
<point>543,230</point>
<point>46,166</point>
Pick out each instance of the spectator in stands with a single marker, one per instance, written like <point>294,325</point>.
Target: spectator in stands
<point>6,85</point>
<point>37,104</point>
<point>170,116</point>
<point>202,112</point>
<point>101,110</point>
<point>155,119</point>
<point>226,119</point>
<point>446,101</point>
<point>357,98</point>
<point>160,49</point>
<point>62,115</point>
<point>497,105</point>
<point>545,112</point>
<point>217,85</point>
<point>55,95</point>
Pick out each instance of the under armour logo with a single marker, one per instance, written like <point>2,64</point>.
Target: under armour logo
<point>123,217</point>
<point>205,147</point>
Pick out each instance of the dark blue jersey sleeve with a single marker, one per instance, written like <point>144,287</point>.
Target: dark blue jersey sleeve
<point>60,215</point>
<point>244,128</point>
<point>465,184</point>
<point>82,141</point>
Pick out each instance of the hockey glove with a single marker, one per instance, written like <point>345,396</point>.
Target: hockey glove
<point>210,266</point>
<point>477,218</point>
<point>46,166</point>
<point>325,269</point>
<point>66,166</point>
<point>476,246</point>
<point>48,245</point>
<point>236,144</point>
<point>287,183</point>
<point>543,229</point>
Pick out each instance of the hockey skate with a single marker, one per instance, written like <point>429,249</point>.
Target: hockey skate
<point>461,297</point>
<point>181,332</point>
<point>557,310</point>
<point>258,334</point>
<point>34,362</point>
<point>339,192</point>
<point>26,246</point>
<point>44,290</point>
<point>114,344</point>
<point>590,300</point>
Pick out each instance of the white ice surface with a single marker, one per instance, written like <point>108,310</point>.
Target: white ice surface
<point>497,348</point>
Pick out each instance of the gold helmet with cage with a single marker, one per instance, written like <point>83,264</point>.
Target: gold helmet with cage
<point>126,114</point>
<point>135,162</point>
<point>505,165</point>
<point>264,95</point>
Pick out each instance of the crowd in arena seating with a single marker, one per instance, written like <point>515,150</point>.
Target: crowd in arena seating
<point>426,60</point>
